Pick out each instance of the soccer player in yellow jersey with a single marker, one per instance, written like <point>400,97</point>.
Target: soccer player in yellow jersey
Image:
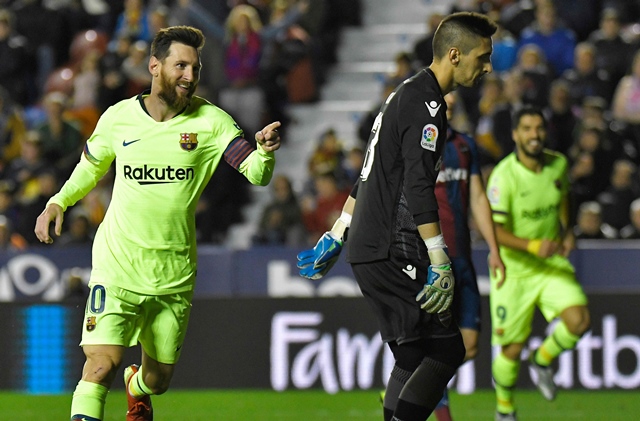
<point>166,144</point>
<point>528,193</point>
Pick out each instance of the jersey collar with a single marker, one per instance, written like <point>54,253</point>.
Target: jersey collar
<point>430,73</point>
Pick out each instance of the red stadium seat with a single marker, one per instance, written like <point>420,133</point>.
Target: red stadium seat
<point>84,42</point>
<point>61,79</point>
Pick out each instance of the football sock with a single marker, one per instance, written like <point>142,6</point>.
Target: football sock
<point>88,401</point>
<point>137,387</point>
<point>423,391</point>
<point>442,411</point>
<point>505,375</point>
<point>559,340</point>
<point>397,380</point>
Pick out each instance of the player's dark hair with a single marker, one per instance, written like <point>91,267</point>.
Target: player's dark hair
<point>527,110</point>
<point>461,30</point>
<point>187,35</point>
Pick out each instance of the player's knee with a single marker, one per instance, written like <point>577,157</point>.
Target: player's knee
<point>583,324</point>
<point>100,368</point>
<point>578,320</point>
<point>408,356</point>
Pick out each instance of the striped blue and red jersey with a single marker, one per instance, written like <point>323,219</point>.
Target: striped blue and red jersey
<point>460,161</point>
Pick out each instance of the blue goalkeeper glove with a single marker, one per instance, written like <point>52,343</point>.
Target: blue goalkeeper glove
<point>316,262</point>
<point>437,294</point>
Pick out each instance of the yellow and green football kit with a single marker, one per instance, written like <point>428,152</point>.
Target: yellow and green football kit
<point>146,243</point>
<point>528,204</point>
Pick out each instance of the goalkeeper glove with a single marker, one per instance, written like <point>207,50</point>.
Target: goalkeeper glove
<point>315,263</point>
<point>437,293</point>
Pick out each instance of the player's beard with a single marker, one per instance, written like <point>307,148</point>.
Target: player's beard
<point>533,152</point>
<point>169,93</point>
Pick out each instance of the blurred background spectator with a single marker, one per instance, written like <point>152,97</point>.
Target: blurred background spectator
<point>62,63</point>
<point>281,219</point>
<point>589,223</point>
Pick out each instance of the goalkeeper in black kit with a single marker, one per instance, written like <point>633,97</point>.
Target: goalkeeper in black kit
<point>395,245</point>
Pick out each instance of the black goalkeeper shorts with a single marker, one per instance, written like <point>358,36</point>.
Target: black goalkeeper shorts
<point>390,287</point>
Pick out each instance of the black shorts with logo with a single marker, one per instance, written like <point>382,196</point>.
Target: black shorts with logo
<point>390,287</point>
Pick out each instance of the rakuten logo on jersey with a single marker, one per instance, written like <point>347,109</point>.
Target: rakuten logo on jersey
<point>158,175</point>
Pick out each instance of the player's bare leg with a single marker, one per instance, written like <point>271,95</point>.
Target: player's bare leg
<point>151,378</point>
<point>574,322</point>
<point>470,339</point>
<point>102,362</point>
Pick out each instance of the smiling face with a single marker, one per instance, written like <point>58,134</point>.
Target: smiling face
<point>178,75</point>
<point>472,66</point>
<point>529,136</point>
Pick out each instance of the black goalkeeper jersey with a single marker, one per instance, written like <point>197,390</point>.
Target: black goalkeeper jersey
<point>395,192</point>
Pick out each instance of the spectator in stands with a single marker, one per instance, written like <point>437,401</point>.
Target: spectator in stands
<point>612,52</point>
<point>403,66</point>
<point>500,118</point>
<point>86,82</point>
<point>94,205</point>
<point>135,68</point>
<point>593,115</point>
<point>134,22</point>
<point>491,100</point>
<point>320,211</point>
<point>243,98</point>
<point>589,223</point>
<point>328,157</point>
<point>536,75</point>
<point>8,206</point>
<point>9,240</point>
<point>352,165</point>
<point>585,79</point>
<point>12,129</point>
<point>505,49</point>
<point>113,86</point>
<point>616,199</point>
<point>78,231</point>
<point>23,171</point>
<point>423,48</point>
<point>632,231</point>
<point>556,41</point>
<point>14,68</point>
<point>44,30</point>
<point>590,140</point>
<point>29,208</point>
<point>366,122</point>
<point>291,67</point>
<point>281,220</point>
<point>562,120</point>
<point>626,100</point>
<point>60,138</point>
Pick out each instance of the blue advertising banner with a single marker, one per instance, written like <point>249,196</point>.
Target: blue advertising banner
<point>43,273</point>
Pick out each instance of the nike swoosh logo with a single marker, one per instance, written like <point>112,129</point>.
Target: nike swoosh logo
<point>125,143</point>
<point>433,108</point>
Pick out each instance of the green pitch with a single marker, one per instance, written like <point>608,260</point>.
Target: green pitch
<point>252,405</point>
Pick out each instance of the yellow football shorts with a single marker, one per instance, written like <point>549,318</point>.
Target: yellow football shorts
<point>552,290</point>
<point>115,316</point>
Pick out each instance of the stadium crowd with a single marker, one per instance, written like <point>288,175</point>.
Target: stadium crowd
<point>579,63</point>
<point>63,62</point>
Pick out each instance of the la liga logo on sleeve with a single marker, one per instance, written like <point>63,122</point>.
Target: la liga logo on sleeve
<point>429,137</point>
